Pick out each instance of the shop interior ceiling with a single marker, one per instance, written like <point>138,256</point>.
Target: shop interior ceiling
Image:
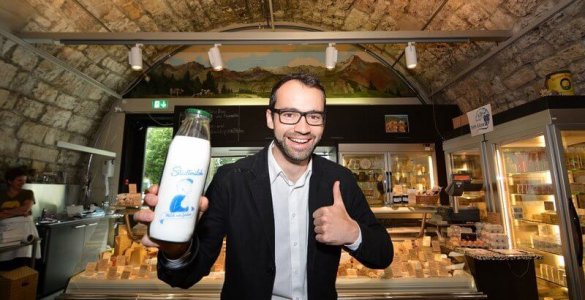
<point>40,25</point>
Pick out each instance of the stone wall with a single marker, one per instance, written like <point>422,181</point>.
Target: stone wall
<point>40,104</point>
<point>517,74</point>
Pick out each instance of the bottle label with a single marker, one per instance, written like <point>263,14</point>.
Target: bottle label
<point>181,186</point>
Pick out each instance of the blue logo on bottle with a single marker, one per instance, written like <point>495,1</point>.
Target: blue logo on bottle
<point>177,208</point>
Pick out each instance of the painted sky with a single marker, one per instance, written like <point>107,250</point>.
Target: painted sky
<point>245,57</point>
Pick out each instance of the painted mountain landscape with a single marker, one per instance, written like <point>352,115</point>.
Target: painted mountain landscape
<point>352,77</point>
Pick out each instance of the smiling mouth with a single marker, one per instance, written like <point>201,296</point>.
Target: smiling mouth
<point>299,141</point>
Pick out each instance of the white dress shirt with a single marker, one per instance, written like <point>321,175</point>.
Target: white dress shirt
<point>290,202</point>
<point>291,226</point>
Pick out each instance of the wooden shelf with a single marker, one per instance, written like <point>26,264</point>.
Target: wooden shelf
<point>551,282</point>
<point>531,249</point>
<point>404,209</point>
<point>535,222</point>
<point>526,173</point>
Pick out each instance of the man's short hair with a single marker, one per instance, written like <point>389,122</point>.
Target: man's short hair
<point>13,173</point>
<point>306,79</point>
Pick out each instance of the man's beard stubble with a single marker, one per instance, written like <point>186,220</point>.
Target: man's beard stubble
<point>290,154</point>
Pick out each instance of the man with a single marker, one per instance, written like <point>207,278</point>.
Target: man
<point>15,219</point>
<point>16,201</point>
<point>286,213</point>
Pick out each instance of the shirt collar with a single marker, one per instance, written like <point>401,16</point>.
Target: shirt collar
<point>274,170</point>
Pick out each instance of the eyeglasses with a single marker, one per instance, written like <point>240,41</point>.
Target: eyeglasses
<point>292,117</point>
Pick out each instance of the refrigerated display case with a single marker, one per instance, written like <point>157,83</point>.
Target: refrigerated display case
<point>464,157</point>
<point>369,170</point>
<point>532,217</point>
<point>533,164</point>
<point>573,146</point>
<point>225,155</point>
<point>537,163</point>
<point>386,172</point>
<point>418,271</point>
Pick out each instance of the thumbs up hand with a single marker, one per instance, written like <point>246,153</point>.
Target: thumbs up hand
<point>332,223</point>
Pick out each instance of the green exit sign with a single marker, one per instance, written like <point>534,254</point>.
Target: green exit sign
<point>160,104</point>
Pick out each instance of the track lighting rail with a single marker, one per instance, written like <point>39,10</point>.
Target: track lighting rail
<point>262,37</point>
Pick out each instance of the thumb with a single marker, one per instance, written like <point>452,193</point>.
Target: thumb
<point>203,204</point>
<point>337,199</point>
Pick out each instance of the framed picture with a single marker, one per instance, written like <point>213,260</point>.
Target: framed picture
<point>396,123</point>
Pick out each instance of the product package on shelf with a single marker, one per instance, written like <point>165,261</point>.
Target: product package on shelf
<point>486,236</point>
<point>131,260</point>
<point>130,199</point>
<point>419,258</point>
<point>427,197</point>
<point>128,260</point>
<point>493,235</point>
<point>552,273</point>
<point>547,243</point>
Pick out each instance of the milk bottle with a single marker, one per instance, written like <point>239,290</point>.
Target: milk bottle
<point>183,179</point>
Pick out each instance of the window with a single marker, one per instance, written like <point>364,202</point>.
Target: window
<point>156,147</point>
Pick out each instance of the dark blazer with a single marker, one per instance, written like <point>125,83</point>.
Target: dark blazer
<point>240,208</point>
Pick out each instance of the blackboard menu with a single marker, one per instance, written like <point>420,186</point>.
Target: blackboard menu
<point>226,121</point>
<point>233,125</point>
<point>244,126</point>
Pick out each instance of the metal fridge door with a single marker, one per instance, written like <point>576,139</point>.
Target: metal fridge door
<point>567,146</point>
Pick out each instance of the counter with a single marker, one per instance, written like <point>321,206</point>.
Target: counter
<point>499,254</point>
<point>129,272</point>
<point>66,247</point>
<point>503,274</point>
<point>416,212</point>
<point>458,287</point>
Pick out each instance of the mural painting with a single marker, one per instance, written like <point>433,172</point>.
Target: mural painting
<point>251,70</point>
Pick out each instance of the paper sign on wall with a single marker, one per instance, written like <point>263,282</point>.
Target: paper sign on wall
<point>480,120</point>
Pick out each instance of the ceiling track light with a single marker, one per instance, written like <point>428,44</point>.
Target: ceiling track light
<point>215,58</point>
<point>135,57</point>
<point>330,56</point>
<point>410,55</point>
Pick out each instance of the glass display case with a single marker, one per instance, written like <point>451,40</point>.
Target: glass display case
<point>573,143</point>
<point>386,172</point>
<point>216,162</point>
<point>411,171</point>
<point>537,157</point>
<point>533,169</point>
<point>225,155</point>
<point>533,218</point>
<point>468,163</point>
<point>418,269</point>
<point>369,171</point>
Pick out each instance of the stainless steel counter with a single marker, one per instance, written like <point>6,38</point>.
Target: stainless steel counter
<point>67,246</point>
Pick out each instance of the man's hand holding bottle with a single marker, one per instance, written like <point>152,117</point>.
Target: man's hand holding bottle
<point>171,250</point>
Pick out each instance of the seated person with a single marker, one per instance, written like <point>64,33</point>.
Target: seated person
<point>16,202</point>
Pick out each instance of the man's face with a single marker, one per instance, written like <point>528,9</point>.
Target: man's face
<point>296,143</point>
<point>18,182</point>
